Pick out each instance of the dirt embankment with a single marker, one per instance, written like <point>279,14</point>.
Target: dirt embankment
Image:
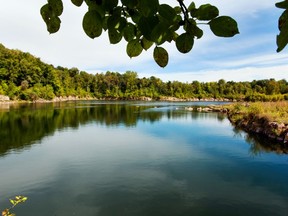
<point>261,125</point>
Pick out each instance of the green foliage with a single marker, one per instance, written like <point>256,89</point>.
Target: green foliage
<point>92,24</point>
<point>78,3</point>
<point>134,48</point>
<point>27,78</point>
<point>161,56</point>
<point>282,38</point>
<point>143,23</point>
<point>224,26</point>
<point>206,12</point>
<point>17,200</point>
<point>271,111</point>
<point>50,13</point>
<point>184,42</point>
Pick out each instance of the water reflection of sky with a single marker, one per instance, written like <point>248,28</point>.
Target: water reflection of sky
<point>181,166</point>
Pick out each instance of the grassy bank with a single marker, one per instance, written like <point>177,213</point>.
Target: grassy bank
<point>267,118</point>
<point>271,111</point>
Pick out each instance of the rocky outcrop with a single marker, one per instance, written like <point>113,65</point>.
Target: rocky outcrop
<point>163,98</point>
<point>273,130</point>
<point>4,98</point>
<point>189,108</point>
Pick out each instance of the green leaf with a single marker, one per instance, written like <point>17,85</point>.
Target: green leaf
<point>224,26</point>
<point>113,21</point>
<point>185,42</point>
<point>104,23</point>
<point>114,36</point>
<point>110,4</point>
<point>129,32</point>
<point>78,3</point>
<point>121,25</point>
<point>129,3</point>
<point>146,26</point>
<point>282,38</point>
<point>95,7</point>
<point>53,25</point>
<point>50,13</point>
<point>92,24</point>
<point>283,20</point>
<point>159,33</point>
<point>148,7</point>
<point>146,44</point>
<point>24,199</point>
<point>206,12</point>
<point>198,32</point>
<point>46,12</point>
<point>135,15</point>
<point>134,48</point>
<point>191,7</point>
<point>161,56</point>
<point>167,12</point>
<point>174,27</point>
<point>191,28</point>
<point>283,4</point>
<point>178,10</point>
<point>57,6</point>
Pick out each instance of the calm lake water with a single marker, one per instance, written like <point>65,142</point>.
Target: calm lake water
<point>136,159</point>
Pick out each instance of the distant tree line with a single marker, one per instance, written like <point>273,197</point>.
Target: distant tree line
<point>25,77</point>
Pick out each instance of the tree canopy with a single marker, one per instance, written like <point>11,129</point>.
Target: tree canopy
<point>25,77</point>
<point>144,23</point>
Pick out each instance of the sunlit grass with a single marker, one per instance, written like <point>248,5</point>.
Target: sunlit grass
<point>272,111</point>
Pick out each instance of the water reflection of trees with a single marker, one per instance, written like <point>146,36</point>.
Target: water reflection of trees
<point>260,144</point>
<point>23,125</point>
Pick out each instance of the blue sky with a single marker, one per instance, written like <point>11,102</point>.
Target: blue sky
<point>247,56</point>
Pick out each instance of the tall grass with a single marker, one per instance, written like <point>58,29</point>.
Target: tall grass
<point>272,111</point>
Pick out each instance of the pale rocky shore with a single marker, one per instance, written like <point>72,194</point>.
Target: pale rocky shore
<point>273,130</point>
<point>277,131</point>
<point>6,99</point>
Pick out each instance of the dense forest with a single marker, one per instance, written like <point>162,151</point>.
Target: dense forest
<point>25,77</point>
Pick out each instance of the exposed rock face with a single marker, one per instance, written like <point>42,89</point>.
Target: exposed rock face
<point>146,98</point>
<point>4,98</point>
<point>189,108</point>
<point>286,138</point>
<point>273,130</point>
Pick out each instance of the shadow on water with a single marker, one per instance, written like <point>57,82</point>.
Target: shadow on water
<point>23,125</point>
<point>258,144</point>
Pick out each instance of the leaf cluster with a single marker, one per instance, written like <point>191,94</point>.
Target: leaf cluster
<point>282,38</point>
<point>17,200</point>
<point>50,13</point>
<point>144,23</point>
<point>25,77</point>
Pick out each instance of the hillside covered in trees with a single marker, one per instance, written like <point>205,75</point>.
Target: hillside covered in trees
<point>25,77</point>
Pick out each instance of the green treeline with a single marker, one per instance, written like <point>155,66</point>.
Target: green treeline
<point>25,77</point>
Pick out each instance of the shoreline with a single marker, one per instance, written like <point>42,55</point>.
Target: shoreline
<point>276,131</point>
<point>76,98</point>
<point>272,130</point>
<point>259,122</point>
<point>252,123</point>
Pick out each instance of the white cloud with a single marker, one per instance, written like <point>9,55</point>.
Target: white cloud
<point>23,28</point>
<point>243,7</point>
<point>232,7</point>
<point>242,74</point>
<point>259,61</point>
